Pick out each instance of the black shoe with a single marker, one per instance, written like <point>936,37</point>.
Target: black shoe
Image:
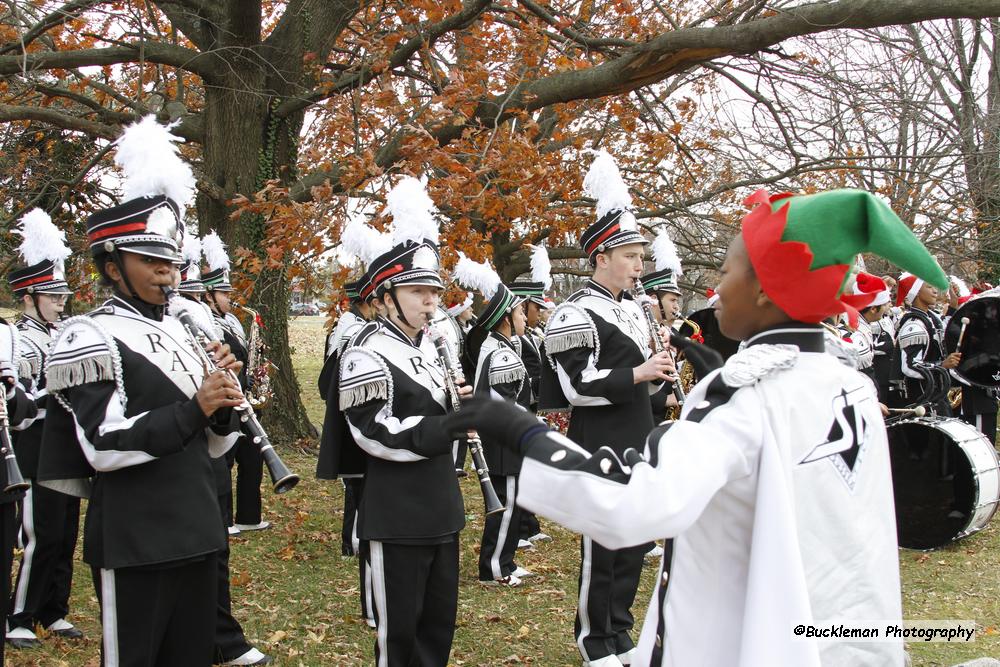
<point>23,642</point>
<point>65,629</point>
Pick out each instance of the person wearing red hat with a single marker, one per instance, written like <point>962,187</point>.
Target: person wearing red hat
<point>871,342</point>
<point>775,483</point>
<point>919,341</point>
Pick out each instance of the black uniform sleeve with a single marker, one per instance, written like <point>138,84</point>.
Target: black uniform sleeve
<point>386,437</point>
<point>110,440</point>
<point>585,385</point>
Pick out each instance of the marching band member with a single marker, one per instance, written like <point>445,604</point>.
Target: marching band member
<point>149,417</point>
<point>339,454</point>
<point>661,285</point>
<point>599,359</point>
<point>870,342</point>
<point>919,339</point>
<point>246,457</point>
<point>500,373</point>
<point>533,290</point>
<point>231,645</point>
<point>463,313</point>
<point>50,521</point>
<point>391,389</point>
<point>777,475</point>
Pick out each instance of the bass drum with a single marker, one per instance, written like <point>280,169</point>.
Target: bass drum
<point>705,318</point>
<point>945,478</point>
<point>980,363</point>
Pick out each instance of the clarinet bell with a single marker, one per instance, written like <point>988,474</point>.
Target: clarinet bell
<point>12,474</point>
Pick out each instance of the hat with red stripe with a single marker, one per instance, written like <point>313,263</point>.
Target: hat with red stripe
<point>803,249</point>
<point>158,185</point>
<point>414,259</point>
<point>44,252</point>
<point>616,225</point>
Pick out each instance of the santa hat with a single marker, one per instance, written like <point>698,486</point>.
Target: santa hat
<point>907,288</point>
<point>44,251</point>
<point>413,259</point>
<point>803,249</point>
<point>500,301</point>
<point>867,284</point>
<point>667,265</point>
<point>615,224</point>
<point>158,187</point>
<point>457,309</point>
<point>712,297</point>
<point>216,279</point>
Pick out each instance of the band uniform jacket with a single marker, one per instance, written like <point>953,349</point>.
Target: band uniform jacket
<point>531,354</point>
<point>22,409</point>
<point>919,339</point>
<point>35,339</point>
<point>500,374</point>
<point>339,455</point>
<point>127,374</point>
<point>774,481</point>
<point>392,391</point>
<point>592,343</point>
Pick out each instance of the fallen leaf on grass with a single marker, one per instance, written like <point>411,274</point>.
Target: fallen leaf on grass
<point>277,636</point>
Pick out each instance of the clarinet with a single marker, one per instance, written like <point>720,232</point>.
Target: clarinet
<point>654,329</point>
<point>282,479</point>
<point>12,478</point>
<point>493,504</point>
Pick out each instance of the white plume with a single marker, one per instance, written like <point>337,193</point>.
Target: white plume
<point>477,276</point>
<point>191,251</point>
<point>42,239</point>
<point>665,253</point>
<point>199,312</point>
<point>604,183</point>
<point>363,241</point>
<point>149,157</point>
<point>541,267</point>
<point>215,252</point>
<point>963,289</point>
<point>412,212</point>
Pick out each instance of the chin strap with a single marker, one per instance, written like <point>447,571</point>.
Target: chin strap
<point>38,308</point>
<point>117,259</point>
<point>399,310</point>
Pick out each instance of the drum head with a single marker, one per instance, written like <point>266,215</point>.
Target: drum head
<point>705,319</point>
<point>933,483</point>
<point>980,363</point>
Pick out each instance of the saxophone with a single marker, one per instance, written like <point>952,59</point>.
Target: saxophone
<point>686,376</point>
<point>259,391</point>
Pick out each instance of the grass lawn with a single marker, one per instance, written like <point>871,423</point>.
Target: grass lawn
<point>297,597</point>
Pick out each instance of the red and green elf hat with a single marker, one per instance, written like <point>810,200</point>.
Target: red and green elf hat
<point>803,247</point>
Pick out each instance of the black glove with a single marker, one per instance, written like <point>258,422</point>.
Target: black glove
<point>497,422</point>
<point>702,358</point>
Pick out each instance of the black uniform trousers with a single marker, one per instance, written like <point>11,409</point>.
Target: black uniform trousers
<point>230,642</point>
<point>609,580</point>
<point>8,533</point>
<point>500,532</point>
<point>249,473</point>
<point>529,526</point>
<point>50,524</point>
<point>980,409</point>
<point>158,617</point>
<point>415,593</point>
<point>350,544</point>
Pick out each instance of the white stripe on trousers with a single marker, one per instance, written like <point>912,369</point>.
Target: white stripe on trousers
<point>586,565</point>
<point>356,544</point>
<point>30,542</point>
<point>508,513</point>
<point>109,618</point>
<point>377,568</point>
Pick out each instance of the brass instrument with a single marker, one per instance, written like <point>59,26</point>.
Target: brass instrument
<point>492,501</point>
<point>654,331</point>
<point>282,478</point>
<point>686,379</point>
<point>259,391</point>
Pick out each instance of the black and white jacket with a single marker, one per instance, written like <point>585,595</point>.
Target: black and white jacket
<point>35,340</point>
<point>919,339</point>
<point>127,374</point>
<point>392,392</point>
<point>501,374</point>
<point>592,343</point>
